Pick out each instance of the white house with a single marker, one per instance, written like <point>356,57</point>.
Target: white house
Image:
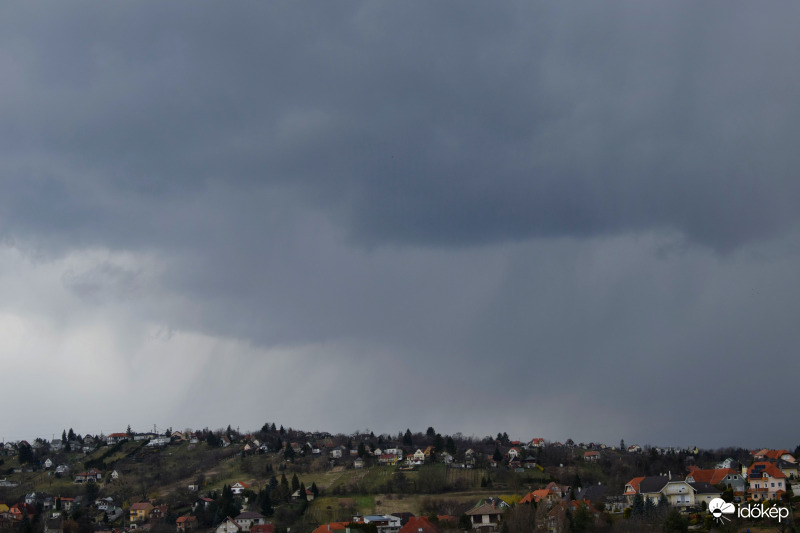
<point>239,487</point>
<point>228,526</point>
<point>384,523</point>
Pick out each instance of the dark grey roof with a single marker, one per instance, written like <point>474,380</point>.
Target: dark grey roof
<point>652,484</point>
<point>705,488</point>
<point>593,493</point>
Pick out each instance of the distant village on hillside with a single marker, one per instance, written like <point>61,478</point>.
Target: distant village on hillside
<point>282,480</point>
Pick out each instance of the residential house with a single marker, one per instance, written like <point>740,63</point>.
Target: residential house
<point>263,528</point>
<point>309,495</point>
<point>513,453</point>
<point>18,511</point>
<point>726,463</point>
<point>788,468</point>
<point>104,504</point>
<point>536,443</point>
<point>595,494</point>
<point>397,452</point>
<point>56,445</point>
<point>591,457</point>
<point>358,463</point>
<point>62,469</point>
<point>48,463</point>
<point>773,455</point>
<point>336,453</point>
<point>388,459</point>
<point>115,438</point>
<point>705,492</point>
<point>140,511</point>
<point>486,517</point>
<point>203,502</point>
<point>678,492</point>
<point>158,512</point>
<point>67,504</point>
<point>551,494</point>
<point>159,442</point>
<point>239,487</point>
<point>384,523</point>
<point>540,495</point>
<point>419,524</point>
<point>185,523</point>
<point>766,481</point>
<point>558,519</point>
<point>248,519</point>
<point>228,525</point>
<point>92,475</point>
<point>727,477</point>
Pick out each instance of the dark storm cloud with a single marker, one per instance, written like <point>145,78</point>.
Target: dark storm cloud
<point>415,123</point>
<point>514,206</point>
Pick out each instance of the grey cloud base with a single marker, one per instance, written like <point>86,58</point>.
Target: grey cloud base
<point>542,209</point>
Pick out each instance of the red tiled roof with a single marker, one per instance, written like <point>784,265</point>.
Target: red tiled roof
<point>537,495</point>
<point>776,454</point>
<point>634,483</point>
<point>770,469</point>
<point>332,526</point>
<point>712,476</point>
<point>141,506</point>
<point>419,524</point>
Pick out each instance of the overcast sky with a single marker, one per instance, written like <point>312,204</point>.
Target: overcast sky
<point>554,219</point>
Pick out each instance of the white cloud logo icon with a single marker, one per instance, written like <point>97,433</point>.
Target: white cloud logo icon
<point>719,507</point>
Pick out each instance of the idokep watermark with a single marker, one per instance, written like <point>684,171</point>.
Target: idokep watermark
<point>721,510</point>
